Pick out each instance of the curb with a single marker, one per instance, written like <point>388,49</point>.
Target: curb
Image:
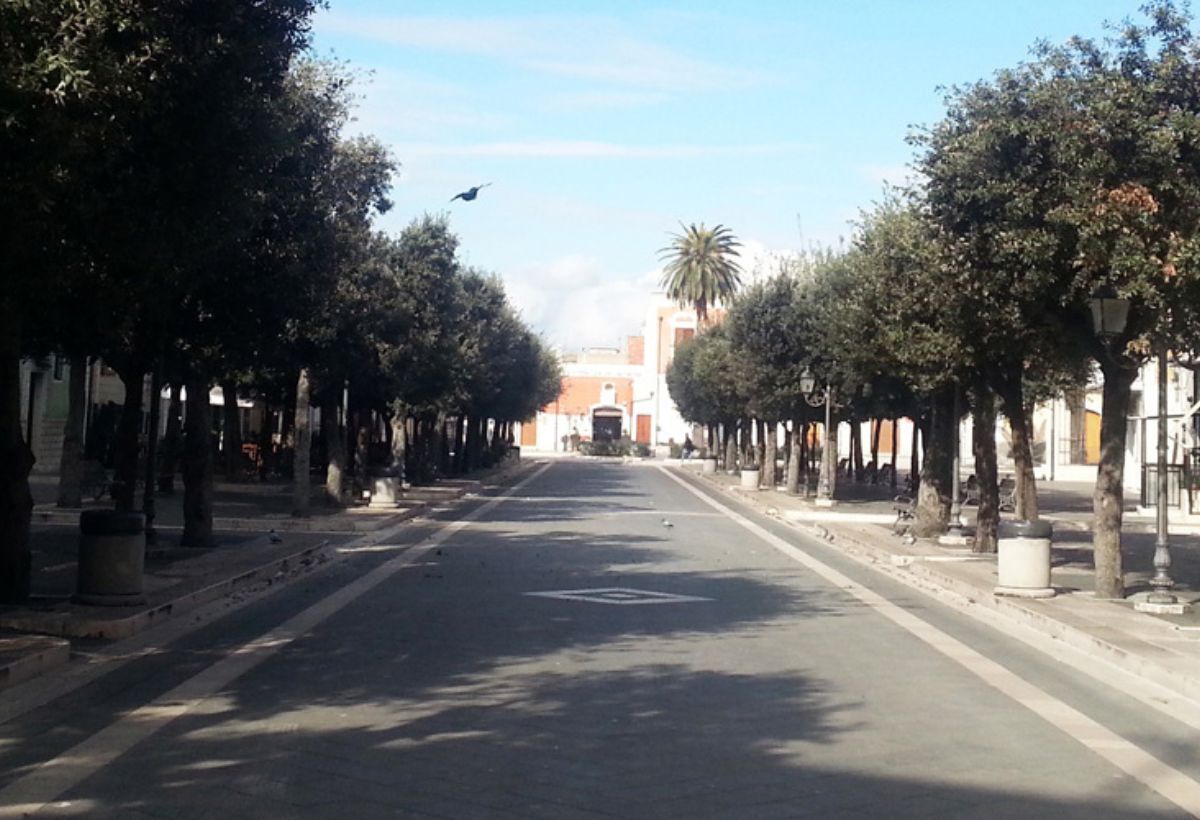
<point>36,654</point>
<point>78,623</point>
<point>1020,611</point>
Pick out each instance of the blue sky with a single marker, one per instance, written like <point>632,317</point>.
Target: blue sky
<point>603,126</point>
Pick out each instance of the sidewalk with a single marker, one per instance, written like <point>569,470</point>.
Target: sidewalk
<point>36,636</point>
<point>1161,648</point>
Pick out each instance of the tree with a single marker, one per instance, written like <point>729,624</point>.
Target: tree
<point>56,60</point>
<point>700,267</point>
<point>773,334</point>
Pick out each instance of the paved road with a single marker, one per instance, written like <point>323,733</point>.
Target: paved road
<point>561,652</point>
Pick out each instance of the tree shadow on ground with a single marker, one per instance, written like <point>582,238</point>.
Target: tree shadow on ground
<point>450,691</point>
<point>663,740</point>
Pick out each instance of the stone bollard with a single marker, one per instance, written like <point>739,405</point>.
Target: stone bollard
<point>385,493</point>
<point>750,479</point>
<point>112,558</point>
<point>1023,560</point>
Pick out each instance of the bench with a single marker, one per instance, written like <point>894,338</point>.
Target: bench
<point>905,507</point>
<point>1008,495</point>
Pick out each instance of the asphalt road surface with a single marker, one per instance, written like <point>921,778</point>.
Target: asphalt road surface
<point>603,640</point>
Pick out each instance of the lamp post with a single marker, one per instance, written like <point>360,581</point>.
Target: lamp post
<point>1109,316</point>
<point>815,397</point>
<point>1161,599</point>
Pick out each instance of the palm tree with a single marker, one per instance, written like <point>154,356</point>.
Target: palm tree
<point>700,268</point>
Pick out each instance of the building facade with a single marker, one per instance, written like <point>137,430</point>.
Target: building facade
<point>615,392</point>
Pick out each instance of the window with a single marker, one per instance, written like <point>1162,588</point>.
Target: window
<point>683,334</point>
<point>58,367</point>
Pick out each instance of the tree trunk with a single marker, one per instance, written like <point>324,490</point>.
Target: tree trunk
<point>231,432</point>
<point>128,440</point>
<point>364,432</point>
<point>303,447</point>
<point>266,450</point>
<point>1108,499</point>
<point>16,460</point>
<point>731,451</point>
<point>831,450</point>
<point>933,495</point>
<point>1013,405</point>
<point>334,434</point>
<point>794,454</point>
<point>770,443</point>
<point>876,433</point>
<point>856,453</point>
<point>399,444</point>
<point>172,443</point>
<point>895,446</point>
<point>70,464</point>
<point>456,439</point>
<point>471,445</point>
<point>287,425</point>
<point>151,472</point>
<point>197,466</point>
<point>914,460</point>
<point>983,443</point>
<point>443,444</point>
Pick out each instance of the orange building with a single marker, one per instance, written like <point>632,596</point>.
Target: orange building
<point>619,391</point>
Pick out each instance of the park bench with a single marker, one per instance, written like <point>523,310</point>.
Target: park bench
<point>1008,494</point>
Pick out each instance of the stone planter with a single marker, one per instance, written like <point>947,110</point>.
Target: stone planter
<point>1023,560</point>
<point>750,479</point>
<point>708,466</point>
<point>112,558</point>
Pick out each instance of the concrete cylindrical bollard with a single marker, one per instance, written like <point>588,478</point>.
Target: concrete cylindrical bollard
<point>385,493</point>
<point>1023,562</point>
<point>750,479</point>
<point>708,466</point>
<point>112,558</point>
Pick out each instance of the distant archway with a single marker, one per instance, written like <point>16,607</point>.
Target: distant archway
<point>607,423</point>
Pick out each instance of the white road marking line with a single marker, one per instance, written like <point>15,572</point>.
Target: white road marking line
<point>44,784</point>
<point>1168,781</point>
<point>620,596</point>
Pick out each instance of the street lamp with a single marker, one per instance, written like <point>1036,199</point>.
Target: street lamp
<point>815,397</point>
<point>1109,313</point>
<point>1109,316</point>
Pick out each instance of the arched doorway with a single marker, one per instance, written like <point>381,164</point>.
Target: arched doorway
<point>606,423</point>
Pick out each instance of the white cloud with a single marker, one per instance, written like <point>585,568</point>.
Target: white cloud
<point>601,99</point>
<point>576,303</point>
<point>894,175</point>
<point>589,48</point>
<point>554,149</point>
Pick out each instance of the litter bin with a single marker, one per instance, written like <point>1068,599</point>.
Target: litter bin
<point>1023,563</point>
<point>750,478</point>
<point>708,466</point>
<point>112,558</point>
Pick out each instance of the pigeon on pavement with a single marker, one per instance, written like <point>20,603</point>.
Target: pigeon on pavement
<point>274,536</point>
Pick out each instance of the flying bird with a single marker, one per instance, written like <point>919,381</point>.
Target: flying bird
<point>470,193</point>
<point>666,523</point>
